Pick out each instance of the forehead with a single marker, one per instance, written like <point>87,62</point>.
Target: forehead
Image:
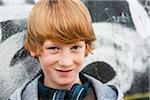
<point>49,42</point>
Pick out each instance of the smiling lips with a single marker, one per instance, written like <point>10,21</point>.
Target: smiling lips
<point>64,73</point>
<point>64,70</point>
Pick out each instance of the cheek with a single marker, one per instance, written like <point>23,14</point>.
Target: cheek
<point>48,60</point>
<point>79,58</point>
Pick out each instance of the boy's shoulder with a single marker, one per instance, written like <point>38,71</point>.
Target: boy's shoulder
<point>17,94</point>
<point>26,91</point>
<point>104,91</point>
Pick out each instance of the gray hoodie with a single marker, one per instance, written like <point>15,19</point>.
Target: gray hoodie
<point>29,91</point>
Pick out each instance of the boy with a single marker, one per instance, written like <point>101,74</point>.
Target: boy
<point>60,36</point>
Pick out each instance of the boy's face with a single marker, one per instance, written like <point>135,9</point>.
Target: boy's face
<point>61,63</point>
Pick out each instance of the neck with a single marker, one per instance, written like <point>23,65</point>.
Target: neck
<point>68,86</point>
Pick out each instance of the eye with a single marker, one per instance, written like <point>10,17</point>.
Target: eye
<point>76,47</point>
<point>53,50</point>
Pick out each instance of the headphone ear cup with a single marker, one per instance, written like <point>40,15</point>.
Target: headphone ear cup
<point>77,92</point>
<point>59,95</point>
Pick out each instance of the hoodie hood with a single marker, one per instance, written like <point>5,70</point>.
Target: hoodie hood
<point>29,91</point>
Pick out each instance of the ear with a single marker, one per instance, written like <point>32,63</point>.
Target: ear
<point>86,50</point>
<point>33,54</point>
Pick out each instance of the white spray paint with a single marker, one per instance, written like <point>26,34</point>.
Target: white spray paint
<point>15,2</point>
<point>0,33</point>
<point>11,77</point>
<point>14,12</point>
<point>140,18</point>
<point>127,42</point>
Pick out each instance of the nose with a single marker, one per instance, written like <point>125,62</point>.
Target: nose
<point>66,59</point>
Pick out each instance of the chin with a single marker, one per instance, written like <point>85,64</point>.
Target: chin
<point>66,84</point>
<point>63,83</point>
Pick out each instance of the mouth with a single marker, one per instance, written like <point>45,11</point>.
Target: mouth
<point>68,70</point>
<point>64,72</point>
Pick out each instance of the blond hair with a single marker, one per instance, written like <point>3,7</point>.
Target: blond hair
<point>62,21</point>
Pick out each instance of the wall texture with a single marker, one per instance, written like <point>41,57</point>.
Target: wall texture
<point>122,49</point>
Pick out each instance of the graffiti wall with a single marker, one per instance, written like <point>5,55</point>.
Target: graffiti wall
<point>122,48</point>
